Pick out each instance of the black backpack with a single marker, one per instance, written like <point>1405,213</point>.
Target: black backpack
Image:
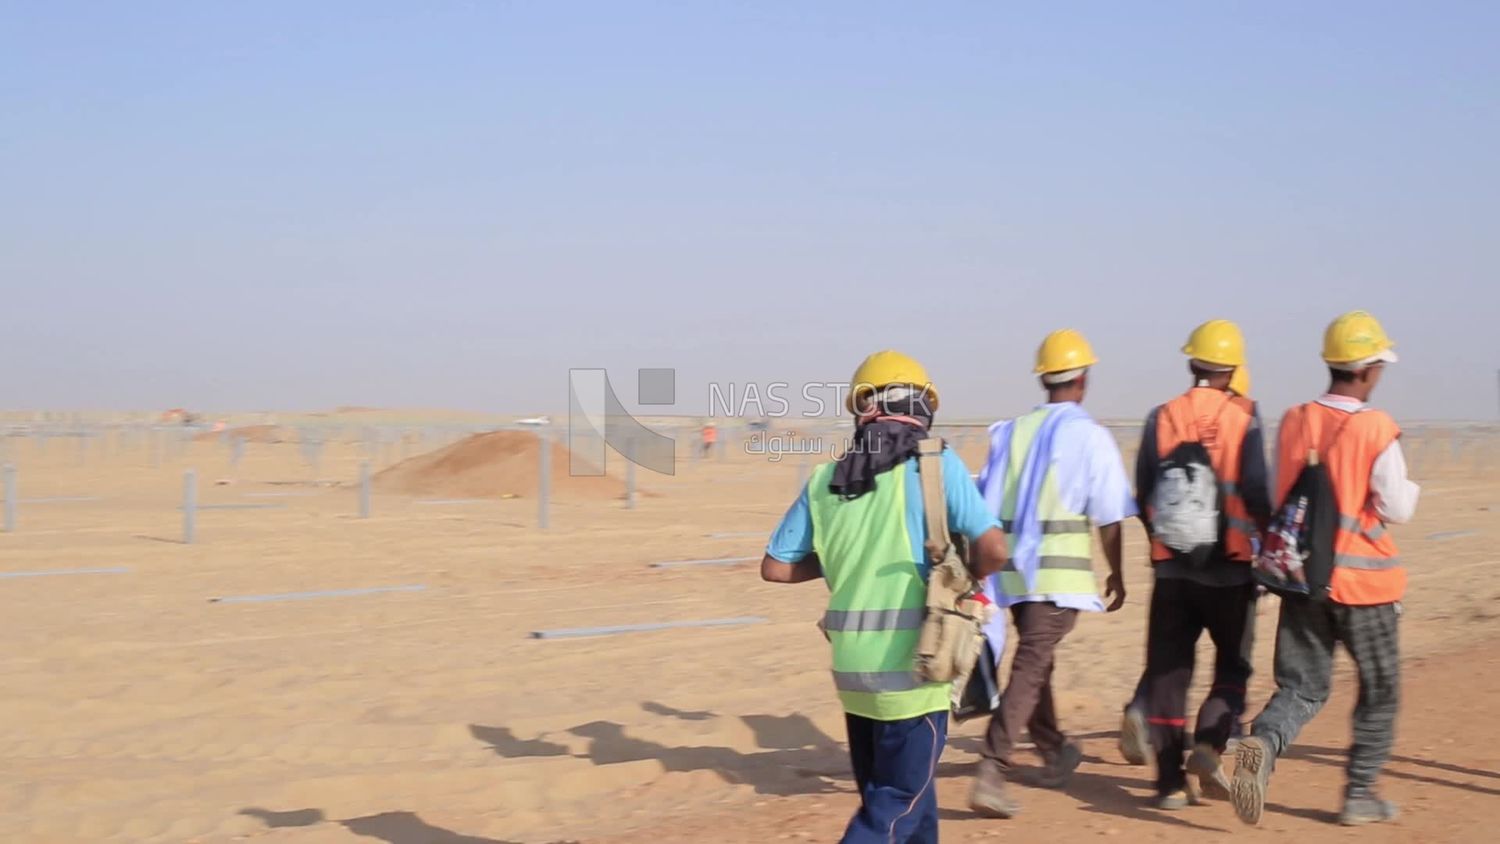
<point>1187,503</point>
<point>1296,558</point>
<point>981,693</point>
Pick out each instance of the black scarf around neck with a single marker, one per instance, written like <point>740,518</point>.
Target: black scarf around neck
<point>880,443</point>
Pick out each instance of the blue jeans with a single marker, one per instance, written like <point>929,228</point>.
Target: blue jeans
<point>895,767</point>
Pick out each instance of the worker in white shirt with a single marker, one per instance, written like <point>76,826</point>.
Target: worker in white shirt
<point>1361,448</point>
<point>1050,475</point>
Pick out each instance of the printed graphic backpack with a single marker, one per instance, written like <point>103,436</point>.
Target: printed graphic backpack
<point>1296,560</point>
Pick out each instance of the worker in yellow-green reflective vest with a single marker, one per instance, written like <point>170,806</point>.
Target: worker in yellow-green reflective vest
<point>859,525</point>
<point>1050,476</point>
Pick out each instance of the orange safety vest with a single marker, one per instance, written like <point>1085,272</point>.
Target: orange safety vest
<point>1219,421</point>
<point>710,434</point>
<point>1366,569</point>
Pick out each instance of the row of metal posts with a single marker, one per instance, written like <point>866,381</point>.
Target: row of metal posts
<point>8,479</point>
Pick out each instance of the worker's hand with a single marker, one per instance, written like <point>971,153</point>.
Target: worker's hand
<point>1114,590</point>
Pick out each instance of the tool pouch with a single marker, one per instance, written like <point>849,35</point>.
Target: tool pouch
<point>952,636</point>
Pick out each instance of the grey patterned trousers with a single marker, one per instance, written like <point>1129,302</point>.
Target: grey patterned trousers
<point>1305,637</point>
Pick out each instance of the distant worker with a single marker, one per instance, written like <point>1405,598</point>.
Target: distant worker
<point>710,436</point>
<point>1202,489</point>
<point>859,525</point>
<point>1361,450</point>
<point>1049,475</point>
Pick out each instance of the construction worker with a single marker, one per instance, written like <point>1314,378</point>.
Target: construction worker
<point>1049,475</point>
<point>859,524</point>
<point>1201,486</point>
<point>710,436</point>
<point>1361,450</point>
<point>1135,743</point>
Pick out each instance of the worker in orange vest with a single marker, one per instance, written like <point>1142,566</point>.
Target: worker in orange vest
<point>1201,486</point>
<point>1361,449</point>
<point>1135,739</point>
<point>710,436</point>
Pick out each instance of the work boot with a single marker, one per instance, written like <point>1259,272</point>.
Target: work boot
<point>1204,763</point>
<point>1060,766</point>
<point>1252,774</point>
<point>1172,800</point>
<point>989,797</point>
<point>1135,744</point>
<point>1366,808</point>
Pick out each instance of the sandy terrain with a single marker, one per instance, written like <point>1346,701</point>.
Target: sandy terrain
<point>134,707</point>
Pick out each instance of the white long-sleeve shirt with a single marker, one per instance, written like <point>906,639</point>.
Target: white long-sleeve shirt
<point>1392,494</point>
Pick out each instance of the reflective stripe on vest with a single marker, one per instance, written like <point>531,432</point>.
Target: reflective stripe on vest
<point>1055,564</point>
<point>860,621</point>
<point>875,682</point>
<point>1351,561</point>
<point>1367,570</point>
<point>1065,556</point>
<point>1353,525</point>
<point>1052,526</point>
<point>877,598</point>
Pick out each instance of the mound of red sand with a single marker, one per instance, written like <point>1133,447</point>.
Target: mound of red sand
<point>498,464</point>
<point>249,433</point>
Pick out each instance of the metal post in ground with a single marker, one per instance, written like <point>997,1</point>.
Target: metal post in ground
<point>189,507</point>
<point>8,473</point>
<point>544,482</point>
<point>236,452</point>
<point>364,490</point>
<point>630,474</point>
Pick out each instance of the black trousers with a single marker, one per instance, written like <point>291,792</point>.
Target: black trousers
<point>1180,611</point>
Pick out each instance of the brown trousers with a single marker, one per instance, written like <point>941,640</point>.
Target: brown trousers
<point>1027,701</point>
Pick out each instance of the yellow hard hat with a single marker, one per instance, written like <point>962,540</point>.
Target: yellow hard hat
<point>1356,340</point>
<point>885,368</point>
<point>1239,382</point>
<point>1218,342</point>
<point>1064,350</point>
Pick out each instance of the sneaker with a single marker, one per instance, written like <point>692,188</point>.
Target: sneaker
<point>1252,774</point>
<point>1367,808</point>
<point>989,798</point>
<point>1135,743</point>
<point>1204,763</point>
<point>1060,766</point>
<point>1172,800</point>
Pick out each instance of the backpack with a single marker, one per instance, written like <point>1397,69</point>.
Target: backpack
<point>1296,558</point>
<point>1187,503</point>
<point>980,695</point>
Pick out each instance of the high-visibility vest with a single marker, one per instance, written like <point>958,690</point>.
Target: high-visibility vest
<point>1066,554</point>
<point>1366,569</point>
<point>877,598</point>
<point>1219,421</point>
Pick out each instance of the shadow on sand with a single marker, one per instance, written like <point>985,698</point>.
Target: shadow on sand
<point>795,757</point>
<point>390,827</point>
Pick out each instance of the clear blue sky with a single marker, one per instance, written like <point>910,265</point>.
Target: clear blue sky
<point>288,204</point>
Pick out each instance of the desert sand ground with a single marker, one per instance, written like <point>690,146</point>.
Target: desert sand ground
<point>135,707</point>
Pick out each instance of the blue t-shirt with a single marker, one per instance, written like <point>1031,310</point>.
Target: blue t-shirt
<point>967,515</point>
